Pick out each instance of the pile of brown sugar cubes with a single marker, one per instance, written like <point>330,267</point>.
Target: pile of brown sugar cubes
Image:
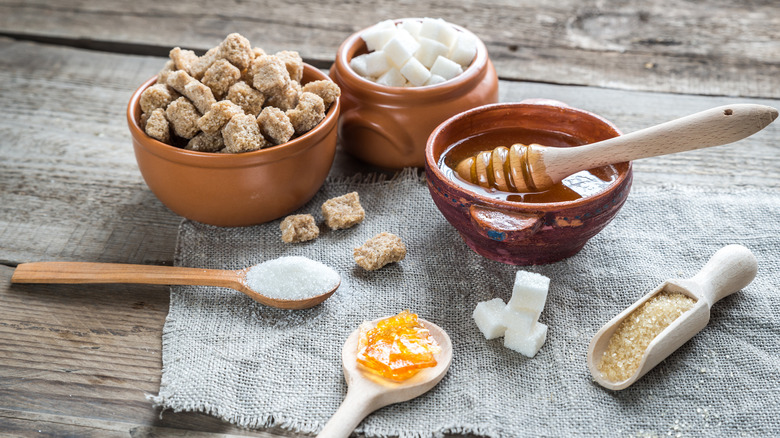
<point>234,98</point>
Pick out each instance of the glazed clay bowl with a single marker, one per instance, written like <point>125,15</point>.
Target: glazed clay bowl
<point>388,126</point>
<point>236,189</point>
<point>524,233</point>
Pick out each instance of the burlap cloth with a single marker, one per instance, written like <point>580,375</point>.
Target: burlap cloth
<point>255,366</point>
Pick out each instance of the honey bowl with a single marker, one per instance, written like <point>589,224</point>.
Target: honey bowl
<point>511,229</point>
<point>236,189</point>
<point>388,126</point>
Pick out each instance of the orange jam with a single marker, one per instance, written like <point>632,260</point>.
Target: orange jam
<point>397,347</point>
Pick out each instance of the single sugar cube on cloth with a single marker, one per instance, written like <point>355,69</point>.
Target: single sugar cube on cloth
<point>489,316</point>
<point>415,72</point>
<point>521,322</point>
<point>464,49</point>
<point>343,211</point>
<point>292,278</point>
<point>525,344</point>
<point>299,228</point>
<point>380,250</point>
<point>529,291</point>
<point>377,64</point>
<point>439,30</point>
<point>401,47</point>
<point>392,78</point>
<point>359,64</point>
<point>429,50</point>
<point>446,68</point>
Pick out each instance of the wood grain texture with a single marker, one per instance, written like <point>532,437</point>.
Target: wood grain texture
<point>697,47</point>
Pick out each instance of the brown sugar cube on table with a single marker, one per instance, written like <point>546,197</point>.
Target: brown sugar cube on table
<point>183,117</point>
<point>157,126</point>
<point>220,76</point>
<point>380,250</point>
<point>275,125</point>
<point>299,228</point>
<point>249,99</point>
<point>157,96</point>
<point>343,211</point>
<point>217,116</point>
<point>241,134</point>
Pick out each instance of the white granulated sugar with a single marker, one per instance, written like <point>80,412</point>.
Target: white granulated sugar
<point>292,278</point>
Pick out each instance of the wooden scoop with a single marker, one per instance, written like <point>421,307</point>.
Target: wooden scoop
<point>368,392</point>
<point>535,168</point>
<point>80,272</point>
<point>731,268</point>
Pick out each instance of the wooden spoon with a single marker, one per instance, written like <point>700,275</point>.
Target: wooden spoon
<point>80,272</point>
<point>731,268</point>
<point>368,392</point>
<point>535,168</point>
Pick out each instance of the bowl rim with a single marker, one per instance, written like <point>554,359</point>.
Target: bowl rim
<point>243,159</point>
<point>432,165</point>
<point>349,46</point>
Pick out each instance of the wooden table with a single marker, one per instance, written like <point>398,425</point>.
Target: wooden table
<point>80,360</point>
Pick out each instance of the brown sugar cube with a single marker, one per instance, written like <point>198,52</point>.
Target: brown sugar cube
<point>236,50</point>
<point>249,99</point>
<point>206,143</point>
<point>219,114</point>
<point>275,125</point>
<point>162,76</point>
<point>286,98</point>
<point>269,75</point>
<point>183,59</point>
<point>199,67</point>
<point>241,134</point>
<point>293,62</point>
<point>183,117</point>
<point>142,120</point>
<point>157,96</point>
<point>327,90</point>
<point>308,113</point>
<point>379,250</point>
<point>200,95</point>
<point>157,126</point>
<point>220,76</point>
<point>343,211</point>
<point>299,228</point>
<point>257,51</point>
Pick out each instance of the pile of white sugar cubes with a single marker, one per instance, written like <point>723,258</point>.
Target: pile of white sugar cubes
<point>414,53</point>
<point>518,321</point>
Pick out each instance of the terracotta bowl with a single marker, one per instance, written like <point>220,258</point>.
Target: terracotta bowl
<point>388,126</point>
<point>522,233</point>
<point>236,189</point>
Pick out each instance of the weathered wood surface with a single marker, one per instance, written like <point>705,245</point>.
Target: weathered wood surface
<point>696,47</point>
<point>79,360</point>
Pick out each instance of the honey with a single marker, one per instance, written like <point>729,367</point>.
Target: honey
<point>581,184</point>
<point>396,348</point>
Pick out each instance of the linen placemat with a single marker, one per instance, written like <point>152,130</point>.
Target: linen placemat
<point>255,366</point>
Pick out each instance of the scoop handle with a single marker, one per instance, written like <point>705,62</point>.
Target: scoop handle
<point>712,127</point>
<point>730,269</point>
<point>355,407</point>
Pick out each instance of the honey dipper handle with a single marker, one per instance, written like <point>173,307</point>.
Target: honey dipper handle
<point>713,127</point>
<point>730,269</point>
<point>81,272</point>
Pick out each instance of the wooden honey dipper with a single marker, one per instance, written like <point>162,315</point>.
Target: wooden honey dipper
<point>534,168</point>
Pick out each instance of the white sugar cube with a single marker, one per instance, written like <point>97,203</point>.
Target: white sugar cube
<point>386,24</point>
<point>529,291</point>
<point>524,344</point>
<point>358,64</point>
<point>434,79</point>
<point>377,37</point>
<point>415,72</point>
<point>401,47</point>
<point>464,49</point>
<point>520,321</point>
<point>446,68</point>
<point>392,78</point>
<point>489,317</point>
<point>438,30</point>
<point>429,50</point>
<point>411,26</point>
<point>377,64</point>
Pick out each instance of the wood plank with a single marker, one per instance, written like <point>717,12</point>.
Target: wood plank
<point>704,47</point>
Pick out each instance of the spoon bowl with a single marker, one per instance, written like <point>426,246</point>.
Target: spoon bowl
<point>368,392</point>
<point>730,269</point>
<point>82,272</point>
